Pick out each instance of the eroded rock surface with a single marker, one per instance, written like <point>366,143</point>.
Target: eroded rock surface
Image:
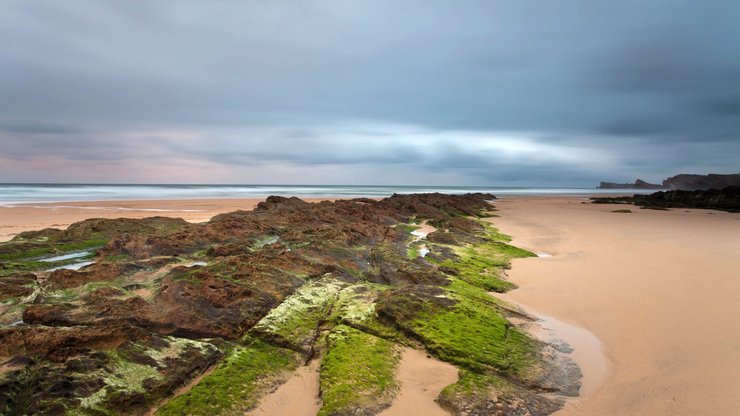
<point>249,296</point>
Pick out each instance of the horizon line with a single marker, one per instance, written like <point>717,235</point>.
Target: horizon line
<point>278,185</point>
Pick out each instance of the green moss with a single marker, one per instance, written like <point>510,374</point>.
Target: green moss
<point>236,385</point>
<point>473,386</point>
<point>353,303</point>
<point>52,249</point>
<point>471,332</point>
<point>81,245</point>
<point>493,234</point>
<point>29,260</point>
<point>407,228</point>
<point>376,327</point>
<point>130,376</point>
<point>355,306</point>
<point>412,252</point>
<point>123,377</point>
<point>11,267</point>
<point>474,335</point>
<point>475,393</point>
<point>480,269</point>
<point>30,253</point>
<point>463,288</point>
<point>175,348</point>
<point>27,266</point>
<point>357,372</point>
<point>295,321</point>
<point>482,264</point>
<point>477,273</point>
<point>322,304</point>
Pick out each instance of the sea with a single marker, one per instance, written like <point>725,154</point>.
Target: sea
<point>30,193</point>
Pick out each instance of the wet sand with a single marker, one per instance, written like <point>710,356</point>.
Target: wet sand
<point>299,396</point>
<point>423,230</point>
<point>24,217</point>
<point>586,351</point>
<point>422,379</point>
<point>660,289</point>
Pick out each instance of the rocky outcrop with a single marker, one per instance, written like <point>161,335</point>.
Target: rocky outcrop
<point>701,182</point>
<point>683,182</point>
<point>727,199</point>
<point>94,368</point>
<point>639,184</point>
<point>16,285</point>
<point>262,290</point>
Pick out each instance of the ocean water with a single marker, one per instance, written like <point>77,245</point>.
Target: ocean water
<point>25,193</point>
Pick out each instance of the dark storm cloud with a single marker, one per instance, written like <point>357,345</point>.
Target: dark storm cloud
<point>724,106</point>
<point>484,91</point>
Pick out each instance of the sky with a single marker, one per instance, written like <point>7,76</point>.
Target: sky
<point>506,93</point>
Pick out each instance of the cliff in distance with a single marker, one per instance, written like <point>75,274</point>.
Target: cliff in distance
<point>684,182</point>
<point>726,199</point>
<point>639,184</point>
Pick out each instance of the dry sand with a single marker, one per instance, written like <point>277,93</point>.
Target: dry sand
<point>660,289</point>
<point>25,217</point>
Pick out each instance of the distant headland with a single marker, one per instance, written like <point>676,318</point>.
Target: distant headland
<point>686,182</point>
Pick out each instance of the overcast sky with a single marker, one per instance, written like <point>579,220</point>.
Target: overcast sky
<point>368,92</point>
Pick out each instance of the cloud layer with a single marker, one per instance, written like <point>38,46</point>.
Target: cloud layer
<point>470,92</point>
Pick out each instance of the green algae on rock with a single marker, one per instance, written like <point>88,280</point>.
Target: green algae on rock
<point>105,371</point>
<point>237,383</point>
<point>295,323</point>
<point>357,373</point>
<point>206,318</point>
<point>488,394</point>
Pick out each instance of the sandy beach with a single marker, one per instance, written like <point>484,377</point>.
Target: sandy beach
<point>15,218</point>
<point>660,289</point>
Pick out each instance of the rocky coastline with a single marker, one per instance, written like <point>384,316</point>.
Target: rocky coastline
<point>173,318</point>
<point>727,199</point>
<point>683,182</point>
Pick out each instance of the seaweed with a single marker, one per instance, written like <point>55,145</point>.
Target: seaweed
<point>357,374</point>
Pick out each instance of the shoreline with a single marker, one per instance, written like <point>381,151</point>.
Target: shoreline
<point>655,287</point>
<point>658,288</point>
<point>575,343</point>
<point>16,218</point>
